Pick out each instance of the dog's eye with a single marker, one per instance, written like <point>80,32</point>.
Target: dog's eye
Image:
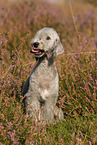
<point>48,38</point>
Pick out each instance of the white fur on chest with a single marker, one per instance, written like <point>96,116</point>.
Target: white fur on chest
<point>43,94</point>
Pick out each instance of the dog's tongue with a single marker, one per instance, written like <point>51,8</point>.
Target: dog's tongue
<point>38,52</point>
<point>33,50</point>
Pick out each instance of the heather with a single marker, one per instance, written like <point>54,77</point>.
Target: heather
<point>76,25</point>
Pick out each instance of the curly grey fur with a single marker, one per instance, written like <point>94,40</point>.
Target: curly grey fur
<point>41,87</point>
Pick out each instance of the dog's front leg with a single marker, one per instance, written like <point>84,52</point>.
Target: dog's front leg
<point>48,111</point>
<point>32,106</point>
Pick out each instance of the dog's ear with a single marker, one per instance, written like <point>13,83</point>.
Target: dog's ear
<point>59,47</point>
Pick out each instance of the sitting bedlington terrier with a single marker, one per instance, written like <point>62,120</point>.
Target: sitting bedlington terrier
<point>41,87</point>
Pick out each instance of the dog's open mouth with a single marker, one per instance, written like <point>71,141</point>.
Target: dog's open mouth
<point>37,52</point>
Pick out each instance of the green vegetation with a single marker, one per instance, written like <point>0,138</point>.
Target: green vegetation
<point>77,27</point>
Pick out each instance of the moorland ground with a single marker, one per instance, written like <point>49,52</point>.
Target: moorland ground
<point>76,24</point>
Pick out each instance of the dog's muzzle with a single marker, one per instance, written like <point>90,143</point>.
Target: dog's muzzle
<point>37,51</point>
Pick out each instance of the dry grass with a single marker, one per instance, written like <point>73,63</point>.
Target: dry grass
<point>77,27</point>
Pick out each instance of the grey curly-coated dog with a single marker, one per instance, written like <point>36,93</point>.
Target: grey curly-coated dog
<point>41,87</point>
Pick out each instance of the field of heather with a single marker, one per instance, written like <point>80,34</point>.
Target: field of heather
<point>76,24</point>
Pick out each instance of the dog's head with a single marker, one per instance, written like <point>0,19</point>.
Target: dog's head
<point>46,41</point>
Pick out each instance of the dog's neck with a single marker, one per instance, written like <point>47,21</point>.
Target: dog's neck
<point>47,67</point>
<point>49,60</point>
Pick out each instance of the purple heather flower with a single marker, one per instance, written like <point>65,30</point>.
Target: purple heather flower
<point>0,42</point>
<point>90,142</point>
<point>10,123</point>
<point>95,87</point>
<point>12,139</point>
<point>16,143</point>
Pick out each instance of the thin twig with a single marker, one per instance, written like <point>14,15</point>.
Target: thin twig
<point>7,71</point>
<point>73,17</point>
<point>80,53</point>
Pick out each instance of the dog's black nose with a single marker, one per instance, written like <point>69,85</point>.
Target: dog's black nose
<point>36,44</point>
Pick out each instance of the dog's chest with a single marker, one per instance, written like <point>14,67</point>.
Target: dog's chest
<point>45,80</point>
<point>44,93</point>
<point>45,75</point>
<point>46,87</point>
